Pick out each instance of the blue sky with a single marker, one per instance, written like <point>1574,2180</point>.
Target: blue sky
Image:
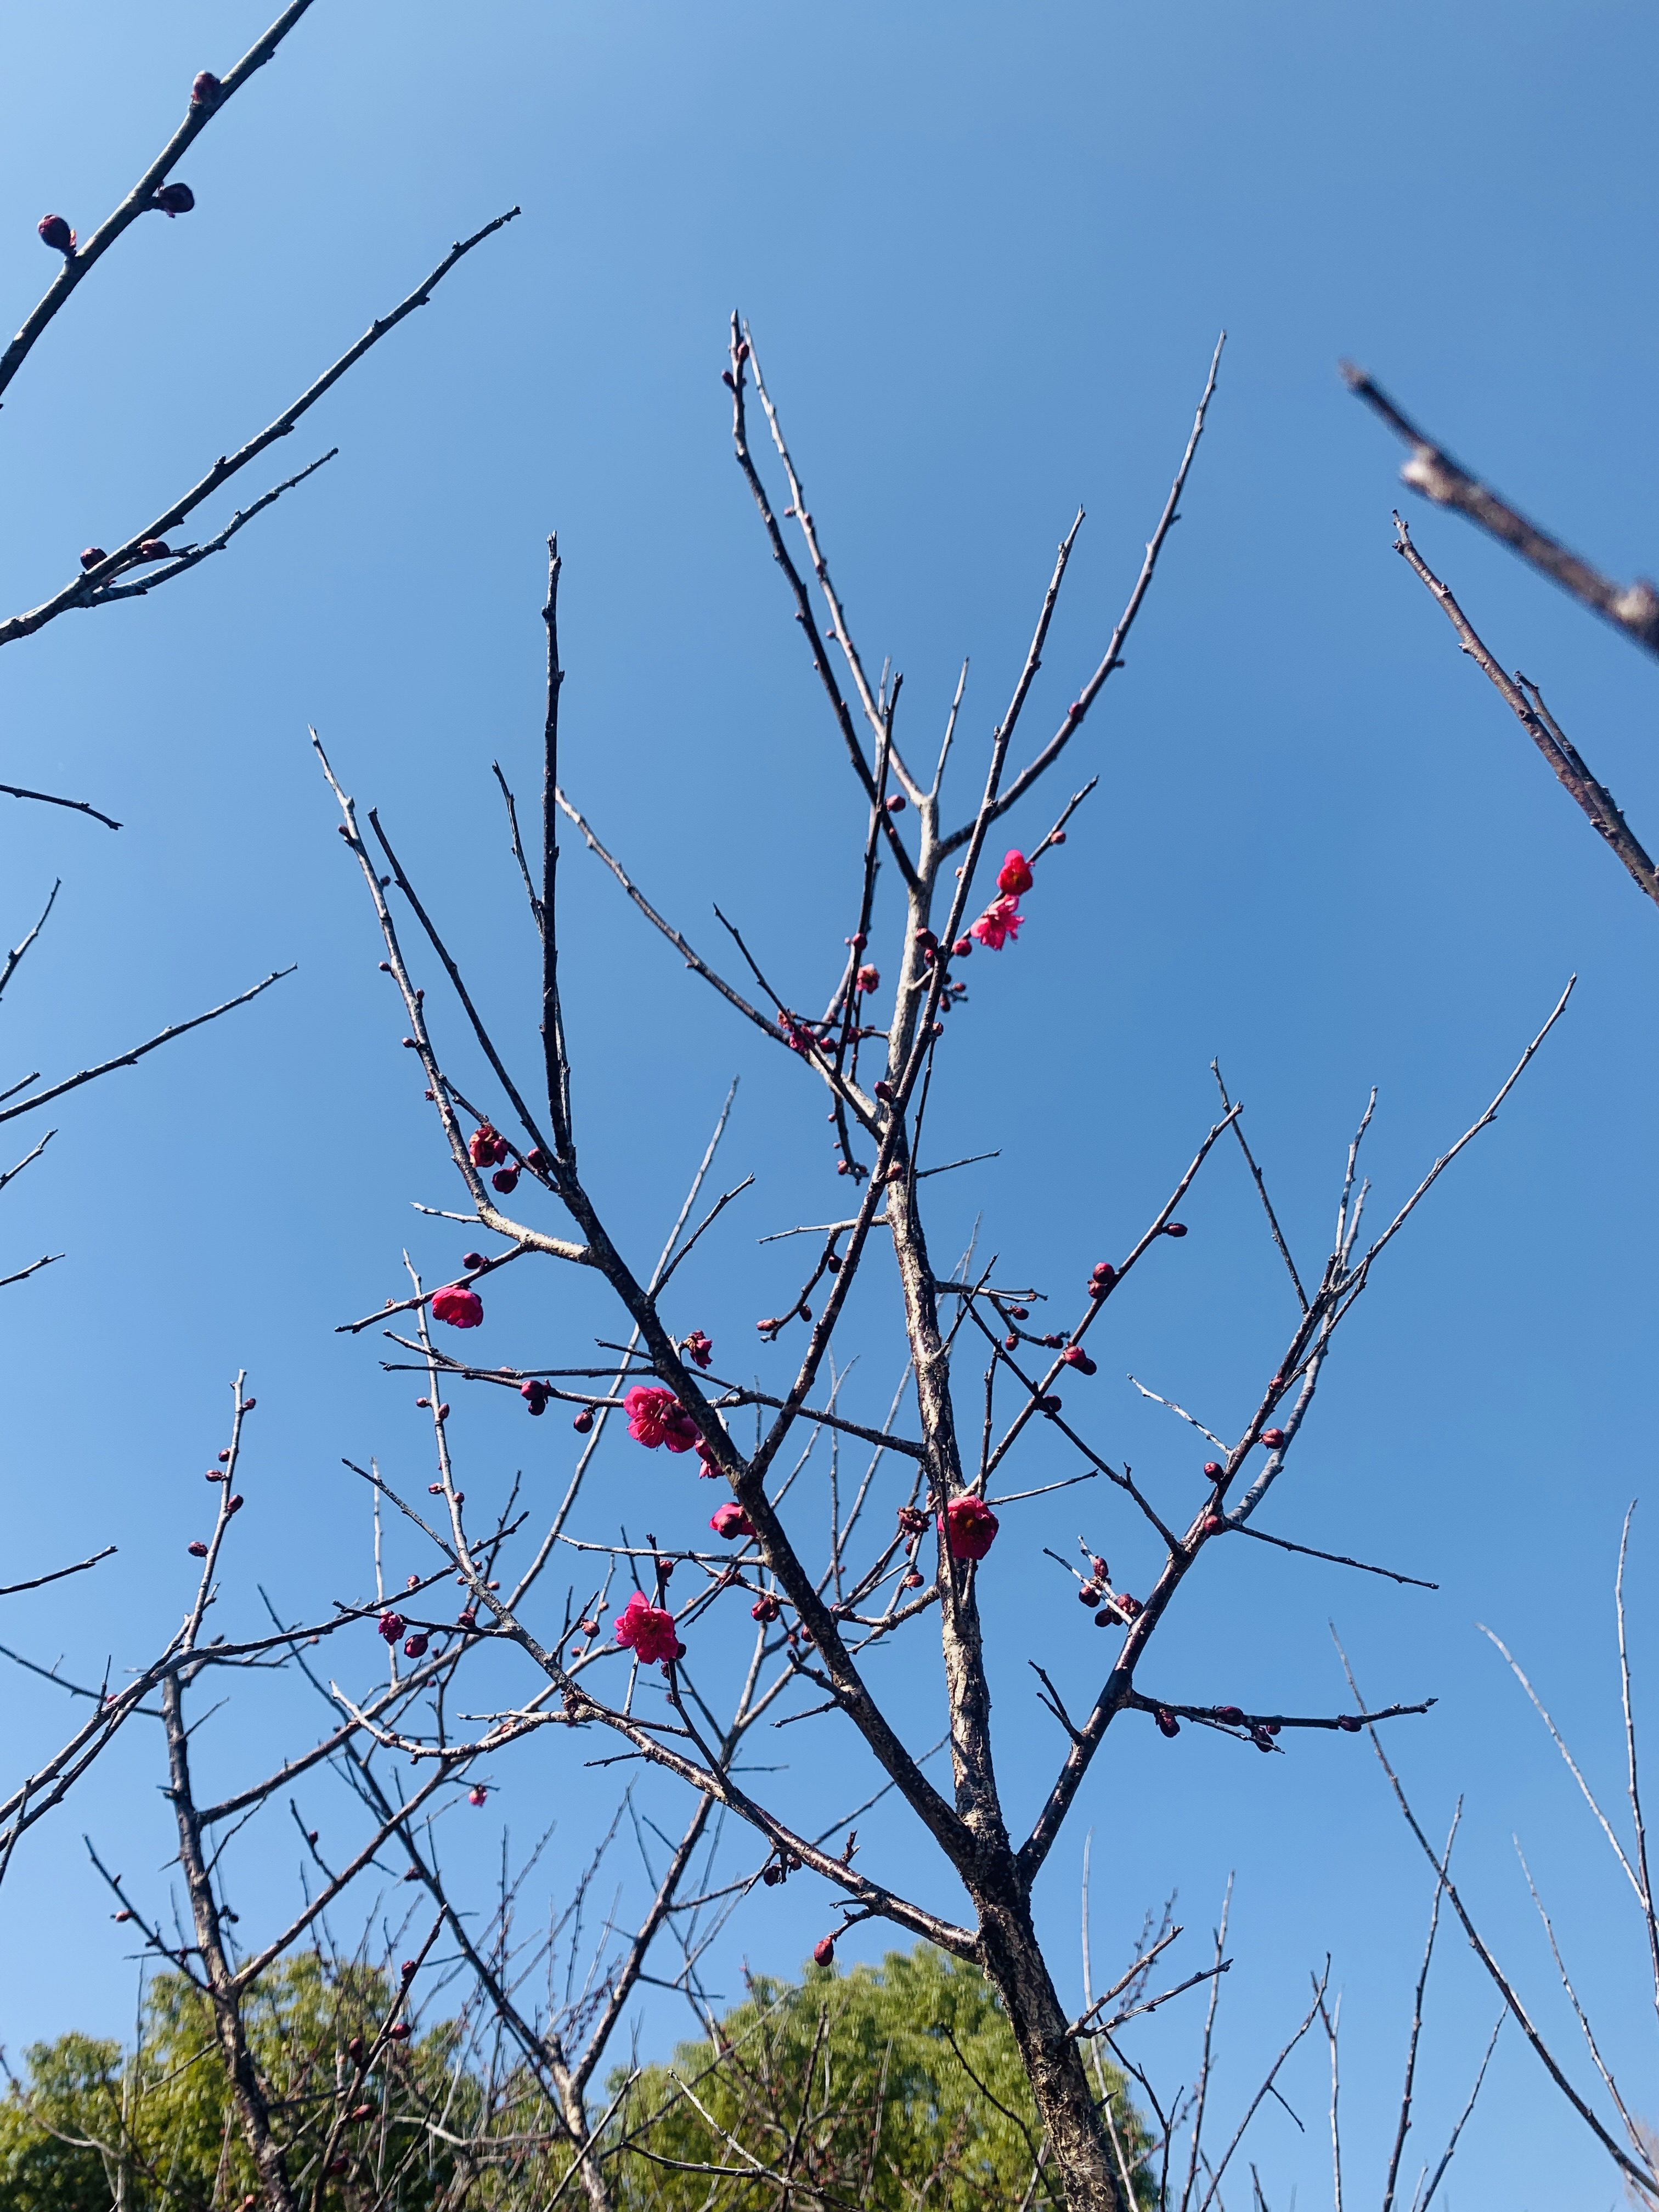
<point>986,252</point>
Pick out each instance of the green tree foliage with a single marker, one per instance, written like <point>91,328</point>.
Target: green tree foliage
<point>894,2086</point>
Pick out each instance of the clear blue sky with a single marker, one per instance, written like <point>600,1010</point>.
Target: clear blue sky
<point>986,251</point>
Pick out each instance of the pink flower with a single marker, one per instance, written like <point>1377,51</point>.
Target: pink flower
<point>1000,921</point>
<point>656,1417</point>
<point>476,1797</point>
<point>1014,876</point>
<point>647,1630</point>
<point>459,1307</point>
<point>968,1526</point>
<point>868,978</point>
<point>731,1520</point>
<point>699,1347</point>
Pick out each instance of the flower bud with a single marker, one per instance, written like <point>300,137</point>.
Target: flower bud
<point>93,555</point>
<point>391,1625</point>
<point>1214,1467</point>
<point>962,947</point>
<point>824,1951</point>
<point>471,1260</point>
<point>535,1394</point>
<point>355,2047</point>
<point>1230,1715</point>
<point>583,1421</point>
<point>1075,1356</point>
<point>772,1874</point>
<point>764,1609</point>
<point>1090,1593</point>
<point>896,804</point>
<point>204,89</point>
<point>1262,1737</point>
<point>1050,1404</point>
<point>174,199</point>
<point>910,1580</point>
<point>1349,1724</point>
<point>1273,1438</point>
<point>1011,1342</point>
<point>198,1550</point>
<point>1103,1272</point>
<point>55,233</point>
<point>868,979</point>
<point>235,1505</point>
<point>476,1797</point>
<point>1213,1524</point>
<point>414,1646</point>
<point>505,1179</point>
<point>1174,1229</point>
<point>1167,1723</point>
<point>398,2031</point>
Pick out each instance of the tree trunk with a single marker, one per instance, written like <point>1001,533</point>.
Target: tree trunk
<point>1080,2142</point>
<point>223,1995</point>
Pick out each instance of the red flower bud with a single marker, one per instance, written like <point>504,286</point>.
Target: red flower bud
<point>1075,1356</point>
<point>398,2031</point>
<point>1167,1723</point>
<point>459,1307</point>
<point>583,1421</point>
<point>413,1582</point>
<point>1174,1229</point>
<point>1213,1524</point>
<point>896,804</point>
<point>354,2049</point>
<point>764,1609</point>
<point>911,1580</point>
<point>248,1404</point>
<point>772,1874</point>
<point>1010,1343</point>
<point>235,1505</point>
<point>868,979</point>
<point>414,1646</point>
<point>731,1520</point>
<point>1273,1438</point>
<point>476,1797</point>
<point>1075,712</point>
<point>1090,1593</point>
<point>205,88</point>
<point>1103,1272</point>
<point>433,1489</point>
<point>155,548</point>
<point>174,199</point>
<point>1053,1341</point>
<point>1019,1313</point>
<point>968,1526</point>
<point>1230,1715</point>
<point>224,1455</point>
<point>361,2113</point>
<point>198,1550</point>
<point>391,1625</point>
<point>1349,1724</point>
<point>1050,1404</point>
<point>1214,1467</point>
<point>1262,1737</point>
<point>824,1951</point>
<point>1056,836</point>
<point>56,233</point>
<point>505,1179</point>
<point>93,555</point>
<point>535,1394</point>
<point>125,1914</point>
<point>962,947</point>
<point>471,1260</point>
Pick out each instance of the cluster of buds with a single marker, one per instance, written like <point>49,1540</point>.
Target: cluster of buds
<point>765,1608</point>
<point>1119,1610</point>
<point>868,979</point>
<point>796,1035</point>
<point>1102,1276</point>
<point>927,946</point>
<point>780,1867</point>
<point>391,1625</point>
<point>487,1148</point>
<point>536,1393</point>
